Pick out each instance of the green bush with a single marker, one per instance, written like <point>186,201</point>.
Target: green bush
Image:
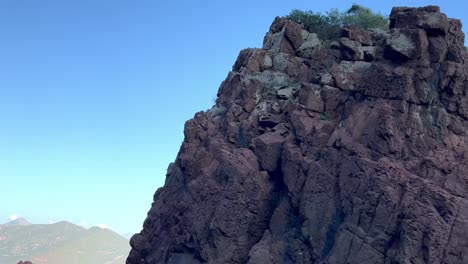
<point>329,26</point>
<point>364,18</point>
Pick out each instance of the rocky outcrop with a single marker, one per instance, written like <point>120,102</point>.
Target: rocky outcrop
<point>354,151</point>
<point>25,262</point>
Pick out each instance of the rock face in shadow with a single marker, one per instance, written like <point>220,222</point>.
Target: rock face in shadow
<point>354,151</point>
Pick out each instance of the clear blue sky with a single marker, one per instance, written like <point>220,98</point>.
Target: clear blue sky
<point>94,95</point>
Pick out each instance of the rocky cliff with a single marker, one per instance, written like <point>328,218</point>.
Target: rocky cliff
<point>351,151</point>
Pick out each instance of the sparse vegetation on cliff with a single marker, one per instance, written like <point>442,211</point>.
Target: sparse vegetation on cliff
<point>329,26</point>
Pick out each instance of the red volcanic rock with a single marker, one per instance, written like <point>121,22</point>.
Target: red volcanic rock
<point>428,18</point>
<point>268,149</point>
<point>356,153</point>
<point>357,34</point>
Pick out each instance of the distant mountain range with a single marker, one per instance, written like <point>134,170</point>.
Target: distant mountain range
<point>59,243</point>
<point>18,221</point>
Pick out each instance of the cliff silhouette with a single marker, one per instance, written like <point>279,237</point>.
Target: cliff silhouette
<point>349,151</point>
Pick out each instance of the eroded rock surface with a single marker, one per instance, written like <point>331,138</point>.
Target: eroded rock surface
<point>353,152</point>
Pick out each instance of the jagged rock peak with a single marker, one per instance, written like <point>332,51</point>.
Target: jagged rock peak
<point>345,151</point>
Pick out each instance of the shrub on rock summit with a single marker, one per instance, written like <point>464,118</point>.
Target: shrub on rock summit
<point>329,26</point>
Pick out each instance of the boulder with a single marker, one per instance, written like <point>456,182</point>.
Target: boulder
<point>357,34</point>
<point>427,18</point>
<point>348,74</point>
<point>268,148</point>
<point>255,60</point>
<point>351,50</point>
<point>406,44</point>
<point>284,36</point>
<point>311,98</point>
<point>370,53</point>
<point>437,49</point>
<point>140,244</point>
<point>311,45</point>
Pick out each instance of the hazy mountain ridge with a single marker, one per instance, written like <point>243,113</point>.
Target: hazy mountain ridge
<point>18,221</point>
<point>62,242</point>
